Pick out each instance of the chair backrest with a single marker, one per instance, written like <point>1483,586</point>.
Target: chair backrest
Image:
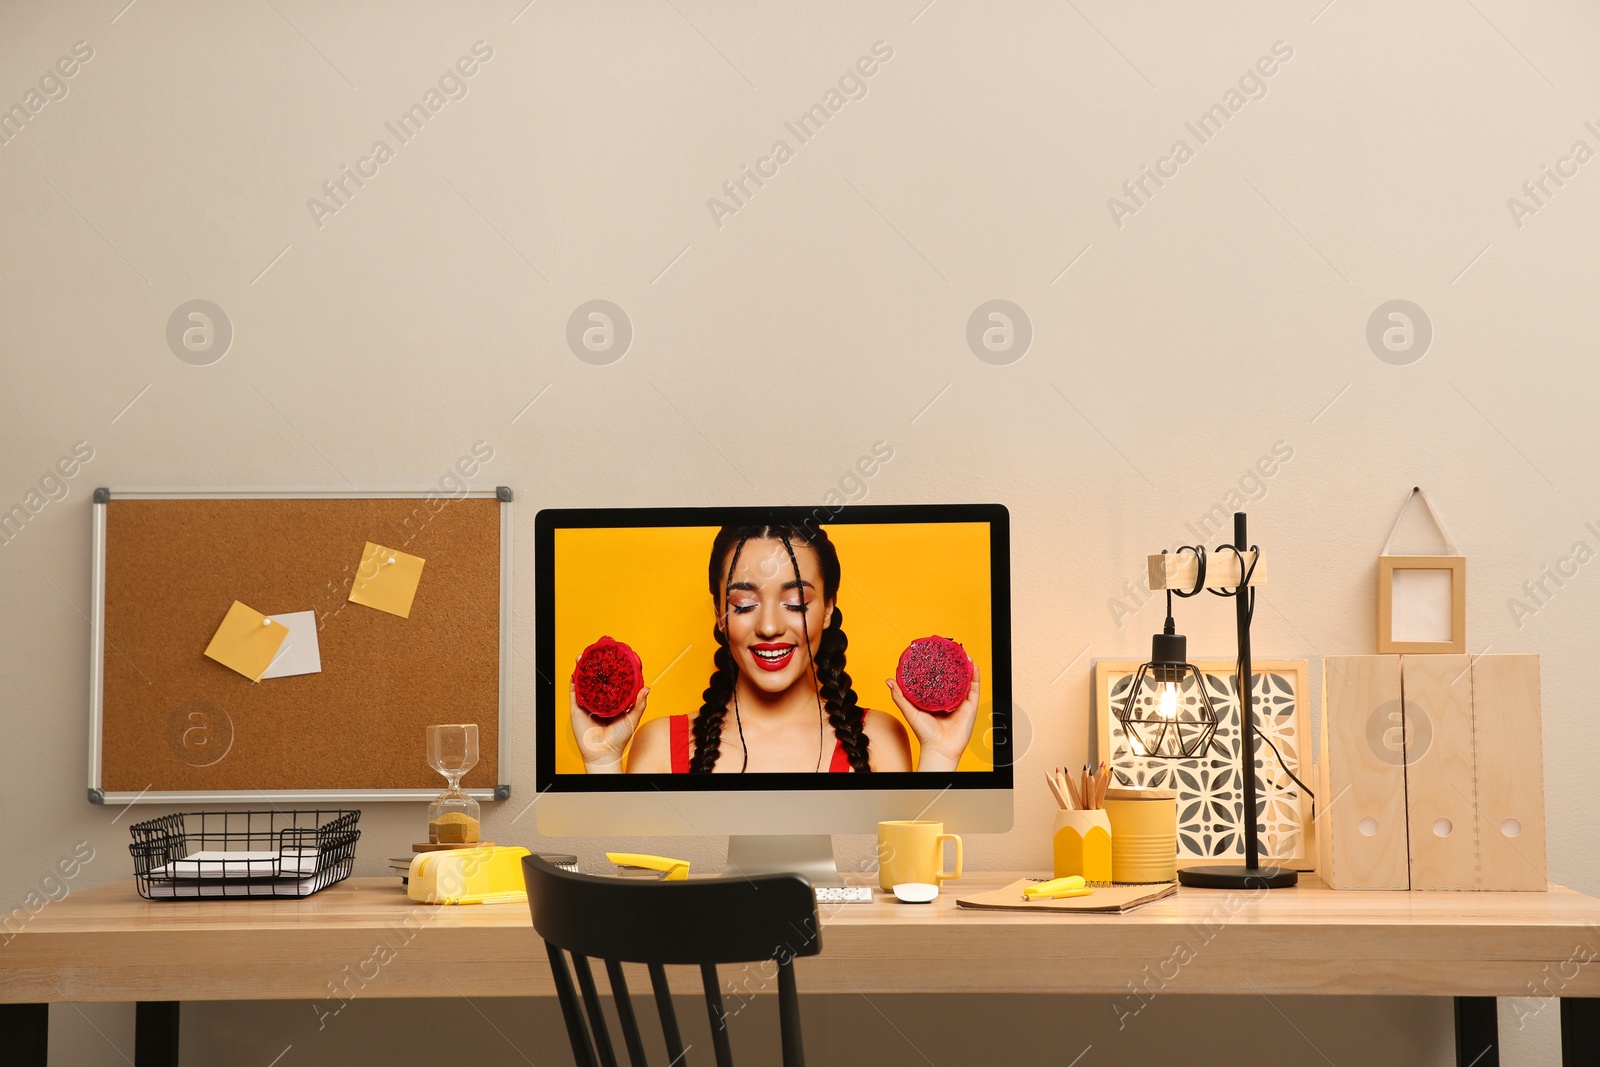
<point>702,922</point>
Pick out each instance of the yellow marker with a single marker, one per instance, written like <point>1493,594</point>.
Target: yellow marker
<point>1071,886</point>
<point>671,870</point>
<point>1060,893</point>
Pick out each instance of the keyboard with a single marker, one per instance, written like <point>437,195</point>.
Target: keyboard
<point>844,894</point>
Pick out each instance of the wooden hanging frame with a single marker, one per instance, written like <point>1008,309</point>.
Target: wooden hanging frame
<point>1400,630</point>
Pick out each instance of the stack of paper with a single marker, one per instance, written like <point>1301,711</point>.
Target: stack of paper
<point>289,873</point>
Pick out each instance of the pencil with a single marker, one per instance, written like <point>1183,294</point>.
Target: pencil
<point>1067,786</point>
<point>1050,781</point>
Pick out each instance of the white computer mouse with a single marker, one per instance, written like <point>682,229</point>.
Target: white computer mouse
<point>916,892</point>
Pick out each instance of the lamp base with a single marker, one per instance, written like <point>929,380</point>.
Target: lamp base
<point>1238,877</point>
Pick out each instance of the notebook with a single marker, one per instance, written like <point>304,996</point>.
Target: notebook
<point>1113,900</point>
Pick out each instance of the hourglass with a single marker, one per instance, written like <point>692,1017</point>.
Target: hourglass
<point>453,815</point>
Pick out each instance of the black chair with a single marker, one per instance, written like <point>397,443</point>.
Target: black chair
<point>765,919</point>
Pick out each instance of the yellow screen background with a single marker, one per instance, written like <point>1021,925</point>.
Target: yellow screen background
<point>647,587</point>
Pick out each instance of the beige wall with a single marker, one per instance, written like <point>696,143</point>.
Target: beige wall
<point>1175,341</point>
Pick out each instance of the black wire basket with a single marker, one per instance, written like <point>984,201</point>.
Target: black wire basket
<point>214,855</point>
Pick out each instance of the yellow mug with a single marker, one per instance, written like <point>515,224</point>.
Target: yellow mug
<point>912,850</point>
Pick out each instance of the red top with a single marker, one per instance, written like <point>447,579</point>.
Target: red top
<point>683,745</point>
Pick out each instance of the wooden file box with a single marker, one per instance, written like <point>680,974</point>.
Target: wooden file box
<point>1361,794</point>
<point>1509,760</point>
<point>1439,771</point>
<point>1432,773</point>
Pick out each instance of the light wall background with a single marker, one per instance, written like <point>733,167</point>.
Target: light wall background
<point>1169,353</point>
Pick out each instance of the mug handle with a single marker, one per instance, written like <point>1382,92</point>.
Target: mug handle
<point>938,842</point>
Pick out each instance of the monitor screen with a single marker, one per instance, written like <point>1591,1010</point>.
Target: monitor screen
<point>773,648</point>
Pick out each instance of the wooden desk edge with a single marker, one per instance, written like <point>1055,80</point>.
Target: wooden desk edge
<point>353,940</point>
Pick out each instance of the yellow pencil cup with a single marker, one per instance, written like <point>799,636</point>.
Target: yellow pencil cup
<point>1082,841</point>
<point>1144,834</point>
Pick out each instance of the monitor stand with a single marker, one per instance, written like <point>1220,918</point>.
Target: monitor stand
<point>807,854</point>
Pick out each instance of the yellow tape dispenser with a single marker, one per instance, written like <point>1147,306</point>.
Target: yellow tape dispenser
<point>488,875</point>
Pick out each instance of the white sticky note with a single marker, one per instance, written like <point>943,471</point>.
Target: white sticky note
<point>299,653</point>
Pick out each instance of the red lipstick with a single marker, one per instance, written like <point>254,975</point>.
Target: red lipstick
<point>770,657</point>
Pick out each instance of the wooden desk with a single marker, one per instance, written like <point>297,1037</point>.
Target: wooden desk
<point>106,944</point>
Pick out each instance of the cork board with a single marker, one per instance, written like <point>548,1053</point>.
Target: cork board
<point>172,722</point>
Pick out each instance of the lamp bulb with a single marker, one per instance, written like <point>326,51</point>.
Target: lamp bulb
<point>1169,700</point>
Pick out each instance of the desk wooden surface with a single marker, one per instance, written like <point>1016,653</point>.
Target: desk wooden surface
<point>363,937</point>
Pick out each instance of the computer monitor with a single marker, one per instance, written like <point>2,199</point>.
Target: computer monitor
<point>771,644</point>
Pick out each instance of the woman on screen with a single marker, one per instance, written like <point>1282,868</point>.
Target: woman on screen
<point>779,699</point>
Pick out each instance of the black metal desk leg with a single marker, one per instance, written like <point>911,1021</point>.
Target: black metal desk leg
<point>1580,1030</point>
<point>155,1034</point>
<point>1477,1032</point>
<point>25,1031</point>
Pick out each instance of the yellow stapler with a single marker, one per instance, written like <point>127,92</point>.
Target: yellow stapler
<point>671,870</point>
<point>488,875</point>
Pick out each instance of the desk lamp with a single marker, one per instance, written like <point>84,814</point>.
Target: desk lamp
<point>1159,724</point>
<point>1158,729</point>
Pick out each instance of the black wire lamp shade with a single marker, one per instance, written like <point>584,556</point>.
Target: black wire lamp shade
<point>1168,713</point>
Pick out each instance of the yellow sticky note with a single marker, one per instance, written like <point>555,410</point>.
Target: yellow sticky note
<point>246,641</point>
<point>387,580</point>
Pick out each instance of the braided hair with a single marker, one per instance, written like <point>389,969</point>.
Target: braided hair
<point>836,697</point>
